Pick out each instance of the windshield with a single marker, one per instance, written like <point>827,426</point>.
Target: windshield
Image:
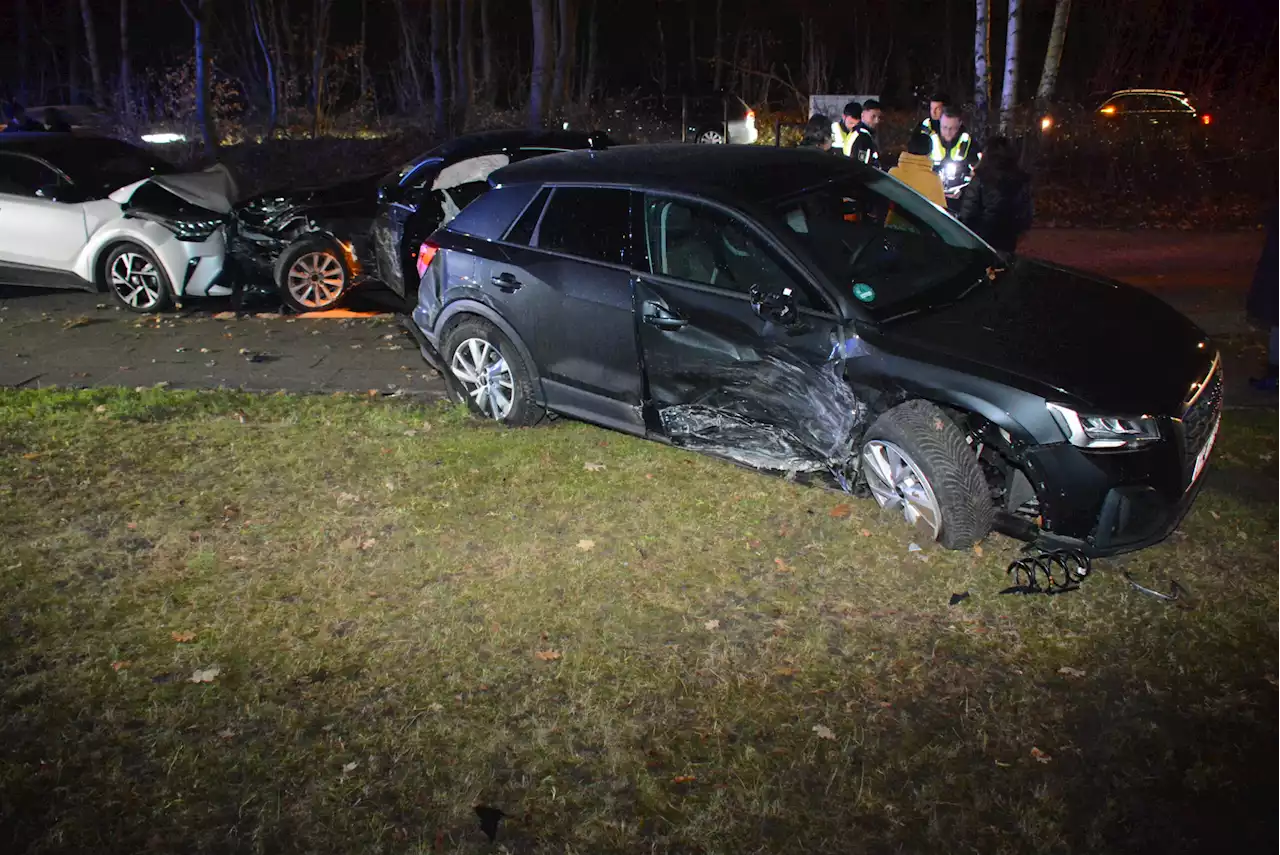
<point>890,247</point>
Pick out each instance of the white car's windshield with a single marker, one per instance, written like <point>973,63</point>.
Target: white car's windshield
<point>883,242</point>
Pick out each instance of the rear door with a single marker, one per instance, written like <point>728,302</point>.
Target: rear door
<point>37,231</point>
<point>719,376</point>
<point>562,278</point>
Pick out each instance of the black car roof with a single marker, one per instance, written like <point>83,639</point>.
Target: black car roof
<point>750,173</point>
<point>486,142</point>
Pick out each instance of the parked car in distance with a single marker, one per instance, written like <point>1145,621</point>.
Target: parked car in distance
<point>755,303</point>
<point>717,120</point>
<point>100,214</point>
<point>1152,107</point>
<point>316,244</point>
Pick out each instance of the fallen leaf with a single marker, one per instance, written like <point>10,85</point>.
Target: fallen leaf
<point>31,455</point>
<point>648,476</point>
<point>786,672</point>
<point>225,316</point>
<point>684,779</point>
<point>350,767</point>
<point>782,565</point>
<point>977,549</point>
<point>182,637</point>
<point>426,426</point>
<point>548,655</point>
<point>824,732</point>
<point>121,665</point>
<point>712,624</point>
<point>1215,515</point>
<point>368,544</point>
<point>206,676</point>
<point>753,544</point>
<point>593,467</point>
<point>1071,672</point>
<point>1040,755</point>
<point>268,316</point>
<point>101,408</point>
<point>841,511</point>
<point>204,350</point>
<point>865,533</point>
<point>78,321</point>
<point>586,545</point>
<point>131,526</point>
<point>226,734</point>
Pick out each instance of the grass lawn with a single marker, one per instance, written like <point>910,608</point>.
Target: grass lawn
<point>278,624</point>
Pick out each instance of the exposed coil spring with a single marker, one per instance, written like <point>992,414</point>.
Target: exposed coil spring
<point>1048,572</point>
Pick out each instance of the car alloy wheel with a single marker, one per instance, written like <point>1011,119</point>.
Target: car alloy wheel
<point>136,281</point>
<point>485,376</point>
<point>316,280</point>
<point>711,138</point>
<point>897,483</point>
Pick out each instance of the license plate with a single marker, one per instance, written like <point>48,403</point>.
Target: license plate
<point>1203,457</point>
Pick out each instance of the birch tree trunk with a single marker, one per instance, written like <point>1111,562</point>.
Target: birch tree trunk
<point>1053,56</point>
<point>462,95</point>
<point>1009,91</point>
<point>981,69</point>
<point>719,54</point>
<point>126,94</point>
<point>439,117</point>
<point>95,67</point>
<point>273,113</point>
<point>198,12</point>
<point>541,62</point>
<point>589,72</point>
<point>486,53</point>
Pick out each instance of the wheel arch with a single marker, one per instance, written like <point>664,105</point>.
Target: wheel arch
<point>460,310</point>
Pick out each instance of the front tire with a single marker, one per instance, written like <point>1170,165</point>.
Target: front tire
<point>711,137</point>
<point>916,460</point>
<point>312,275</point>
<point>137,281</point>
<point>491,375</point>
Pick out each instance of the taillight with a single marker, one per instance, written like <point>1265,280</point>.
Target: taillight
<point>1206,119</point>
<point>426,252</point>
<point>1109,110</point>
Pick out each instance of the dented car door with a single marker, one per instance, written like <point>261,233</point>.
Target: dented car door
<point>739,350</point>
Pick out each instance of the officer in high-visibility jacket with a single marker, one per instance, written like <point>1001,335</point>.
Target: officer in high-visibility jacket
<point>932,124</point>
<point>842,132</point>
<point>955,155</point>
<point>864,147</point>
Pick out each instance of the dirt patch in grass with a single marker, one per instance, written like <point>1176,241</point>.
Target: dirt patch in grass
<point>268,624</point>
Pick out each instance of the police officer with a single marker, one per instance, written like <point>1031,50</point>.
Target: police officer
<point>842,131</point>
<point>954,154</point>
<point>932,124</point>
<point>864,146</point>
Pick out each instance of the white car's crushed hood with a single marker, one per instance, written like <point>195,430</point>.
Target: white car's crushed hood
<point>214,188</point>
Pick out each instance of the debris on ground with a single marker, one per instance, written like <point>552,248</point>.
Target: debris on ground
<point>1035,573</point>
<point>1177,593</point>
<point>958,598</point>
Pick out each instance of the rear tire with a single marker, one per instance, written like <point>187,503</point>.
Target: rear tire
<point>940,466</point>
<point>137,281</point>
<point>486,368</point>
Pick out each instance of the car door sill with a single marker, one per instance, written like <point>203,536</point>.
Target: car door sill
<point>590,407</point>
<point>27,275</point>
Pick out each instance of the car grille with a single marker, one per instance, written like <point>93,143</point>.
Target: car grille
<point>1200,418</point>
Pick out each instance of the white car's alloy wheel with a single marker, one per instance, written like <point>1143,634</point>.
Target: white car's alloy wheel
<point>316,280</point>
<point>136,281</point>
<point>485,376</point>
<point>897,482</point>
<point>711,138</point>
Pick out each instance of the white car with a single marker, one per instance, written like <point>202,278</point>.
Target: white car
<point>100,214</point>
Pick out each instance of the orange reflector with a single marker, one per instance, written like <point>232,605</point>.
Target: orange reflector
<point>426,252</point>
<point>1206,119</point>
<point>341,313</point>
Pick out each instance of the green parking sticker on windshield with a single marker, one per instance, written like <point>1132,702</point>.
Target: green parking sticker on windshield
<point>864,292</point>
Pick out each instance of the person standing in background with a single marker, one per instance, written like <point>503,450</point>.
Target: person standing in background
<point>932,124</point>
<point>1263,303</point>
<point>997,203</point>
<point>915,169</point>
<point>864,147</point>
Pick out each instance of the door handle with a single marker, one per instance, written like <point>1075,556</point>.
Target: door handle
<point>657,315</point>
<point>506,282</point>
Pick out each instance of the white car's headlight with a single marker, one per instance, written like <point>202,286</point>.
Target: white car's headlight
<point>1102,432</point>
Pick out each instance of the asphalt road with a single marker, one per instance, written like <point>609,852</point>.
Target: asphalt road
<point>69,338</point>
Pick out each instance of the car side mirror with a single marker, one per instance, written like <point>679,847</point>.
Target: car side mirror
<point>777,307</point>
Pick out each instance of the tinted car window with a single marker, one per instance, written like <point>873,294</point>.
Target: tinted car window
<point>106,165</point>
<point>522,231</point>
<point>589,222</point>
<point>489,215</point>
<point>23,176</point>
<point>702,244</point>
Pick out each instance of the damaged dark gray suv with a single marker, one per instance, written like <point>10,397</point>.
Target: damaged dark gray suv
<point>797,312</point>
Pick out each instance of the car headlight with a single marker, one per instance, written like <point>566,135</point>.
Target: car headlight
<point>192,230</point>
<point>1102,432</point>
